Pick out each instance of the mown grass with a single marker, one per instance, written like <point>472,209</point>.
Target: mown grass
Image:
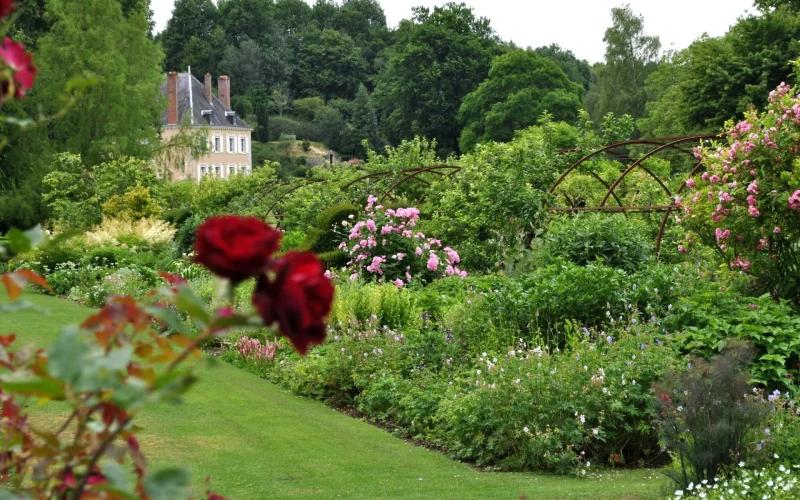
<point>258,441</point>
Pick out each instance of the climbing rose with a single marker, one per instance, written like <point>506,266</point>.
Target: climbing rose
<point>234,247</point>
<point>14,55</point>
<point>298,299</point>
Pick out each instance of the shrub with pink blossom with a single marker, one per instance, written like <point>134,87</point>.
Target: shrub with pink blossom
<point>386,246</point>
<point>746,202</point>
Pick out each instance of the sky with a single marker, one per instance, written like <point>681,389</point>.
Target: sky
<point>577,25</point>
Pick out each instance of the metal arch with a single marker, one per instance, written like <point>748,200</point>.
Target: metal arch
<point>416,172</point>
<point>661,142</point>
<point>306,182</point>
<point>638,162</point>
<point>593,174</point>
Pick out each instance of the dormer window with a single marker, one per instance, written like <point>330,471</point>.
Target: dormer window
<point>206,113</point>
<point>231,116</point>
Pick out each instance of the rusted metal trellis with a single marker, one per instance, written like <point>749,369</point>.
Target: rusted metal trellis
<point>651,148</point>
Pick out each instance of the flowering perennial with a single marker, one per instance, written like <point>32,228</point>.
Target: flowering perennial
<point>385,246</point>
<point>747,201</point>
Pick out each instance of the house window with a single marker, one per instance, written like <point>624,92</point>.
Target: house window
<point>231,144</point>
<point>217,144</point>
<point>202,171</point>
<point>243,145</point>
<point>217,170</point>
<point>231,170</point>
<point>244,169</point>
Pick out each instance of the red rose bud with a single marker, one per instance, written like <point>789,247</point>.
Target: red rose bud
<point>299,299</point>
<point>234,247</point>
<point>14,55</point>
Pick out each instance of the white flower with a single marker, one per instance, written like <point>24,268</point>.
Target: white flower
<point>526,430</point>
<point>678,493</point>
<point>583,419</point>
<point>596,431</point>
<point>741,464</point>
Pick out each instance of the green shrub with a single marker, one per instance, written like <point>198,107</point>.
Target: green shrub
<point>520,410</point>
<point>712,317</point>
<point>282,125</point>
<point>324,236</point>
<point>618,241</point>
<point>389,305</point>
<point>184,238</point>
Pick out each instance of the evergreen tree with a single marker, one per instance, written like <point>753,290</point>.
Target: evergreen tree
<point>365,119</point>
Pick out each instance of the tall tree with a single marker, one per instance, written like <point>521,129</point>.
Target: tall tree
<point>521,86</point>
<point>438,58</point>
<point>327,64</point>
<point>716,79</point>
<point>119,115</point>
<point>365,22</point>
<point>190,18</point>
<point>292,15</point>
<point>631,56</point>
<point>365,120</point>
<point>766,5</point>
<point>248,20</point>
<point>576,69</point>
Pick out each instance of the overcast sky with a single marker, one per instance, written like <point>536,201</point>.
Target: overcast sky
<point>577,25</point>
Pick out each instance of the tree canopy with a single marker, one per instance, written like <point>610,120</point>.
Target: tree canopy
<point>631,55</point>
<point>438,58</point>
<point>521,86</point>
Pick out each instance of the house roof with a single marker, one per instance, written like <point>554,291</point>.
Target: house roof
<point>192,101</point>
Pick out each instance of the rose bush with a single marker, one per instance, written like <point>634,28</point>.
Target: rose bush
<point>386,247</point>
<point>746,203</point>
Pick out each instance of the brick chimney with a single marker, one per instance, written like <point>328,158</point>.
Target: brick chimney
<point>225,91</point>
<point>209,93</point>
<point>172,98</point>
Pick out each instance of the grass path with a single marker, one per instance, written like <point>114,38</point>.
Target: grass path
<point>259,441</point>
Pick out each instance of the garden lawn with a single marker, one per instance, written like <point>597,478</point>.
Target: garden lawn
<point>258,441</point>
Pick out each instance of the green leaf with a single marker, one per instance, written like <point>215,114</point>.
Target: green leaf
<point>67,355</point>
<point>186,300</point>
<point>116,476</point>
<point>167,484</point>
<point>23,241</point>
<point>169,317</point>
<point>7,495</point>
<point>33,386</point>
<point>234,321</point>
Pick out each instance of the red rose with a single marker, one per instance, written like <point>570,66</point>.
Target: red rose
<point>6,8</point>
<point>234,247</point>
<point>299,299</point>
<point>14,55</point>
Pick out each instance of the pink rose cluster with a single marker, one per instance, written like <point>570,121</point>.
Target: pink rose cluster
<point>386,246</point>
<point>739,202</point>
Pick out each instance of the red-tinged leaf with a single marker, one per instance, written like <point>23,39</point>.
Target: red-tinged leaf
<point>144,351</point>
<point>13,285</point>
<point>7,340</point>
<point>185,343</point>
<point>34,278</point>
